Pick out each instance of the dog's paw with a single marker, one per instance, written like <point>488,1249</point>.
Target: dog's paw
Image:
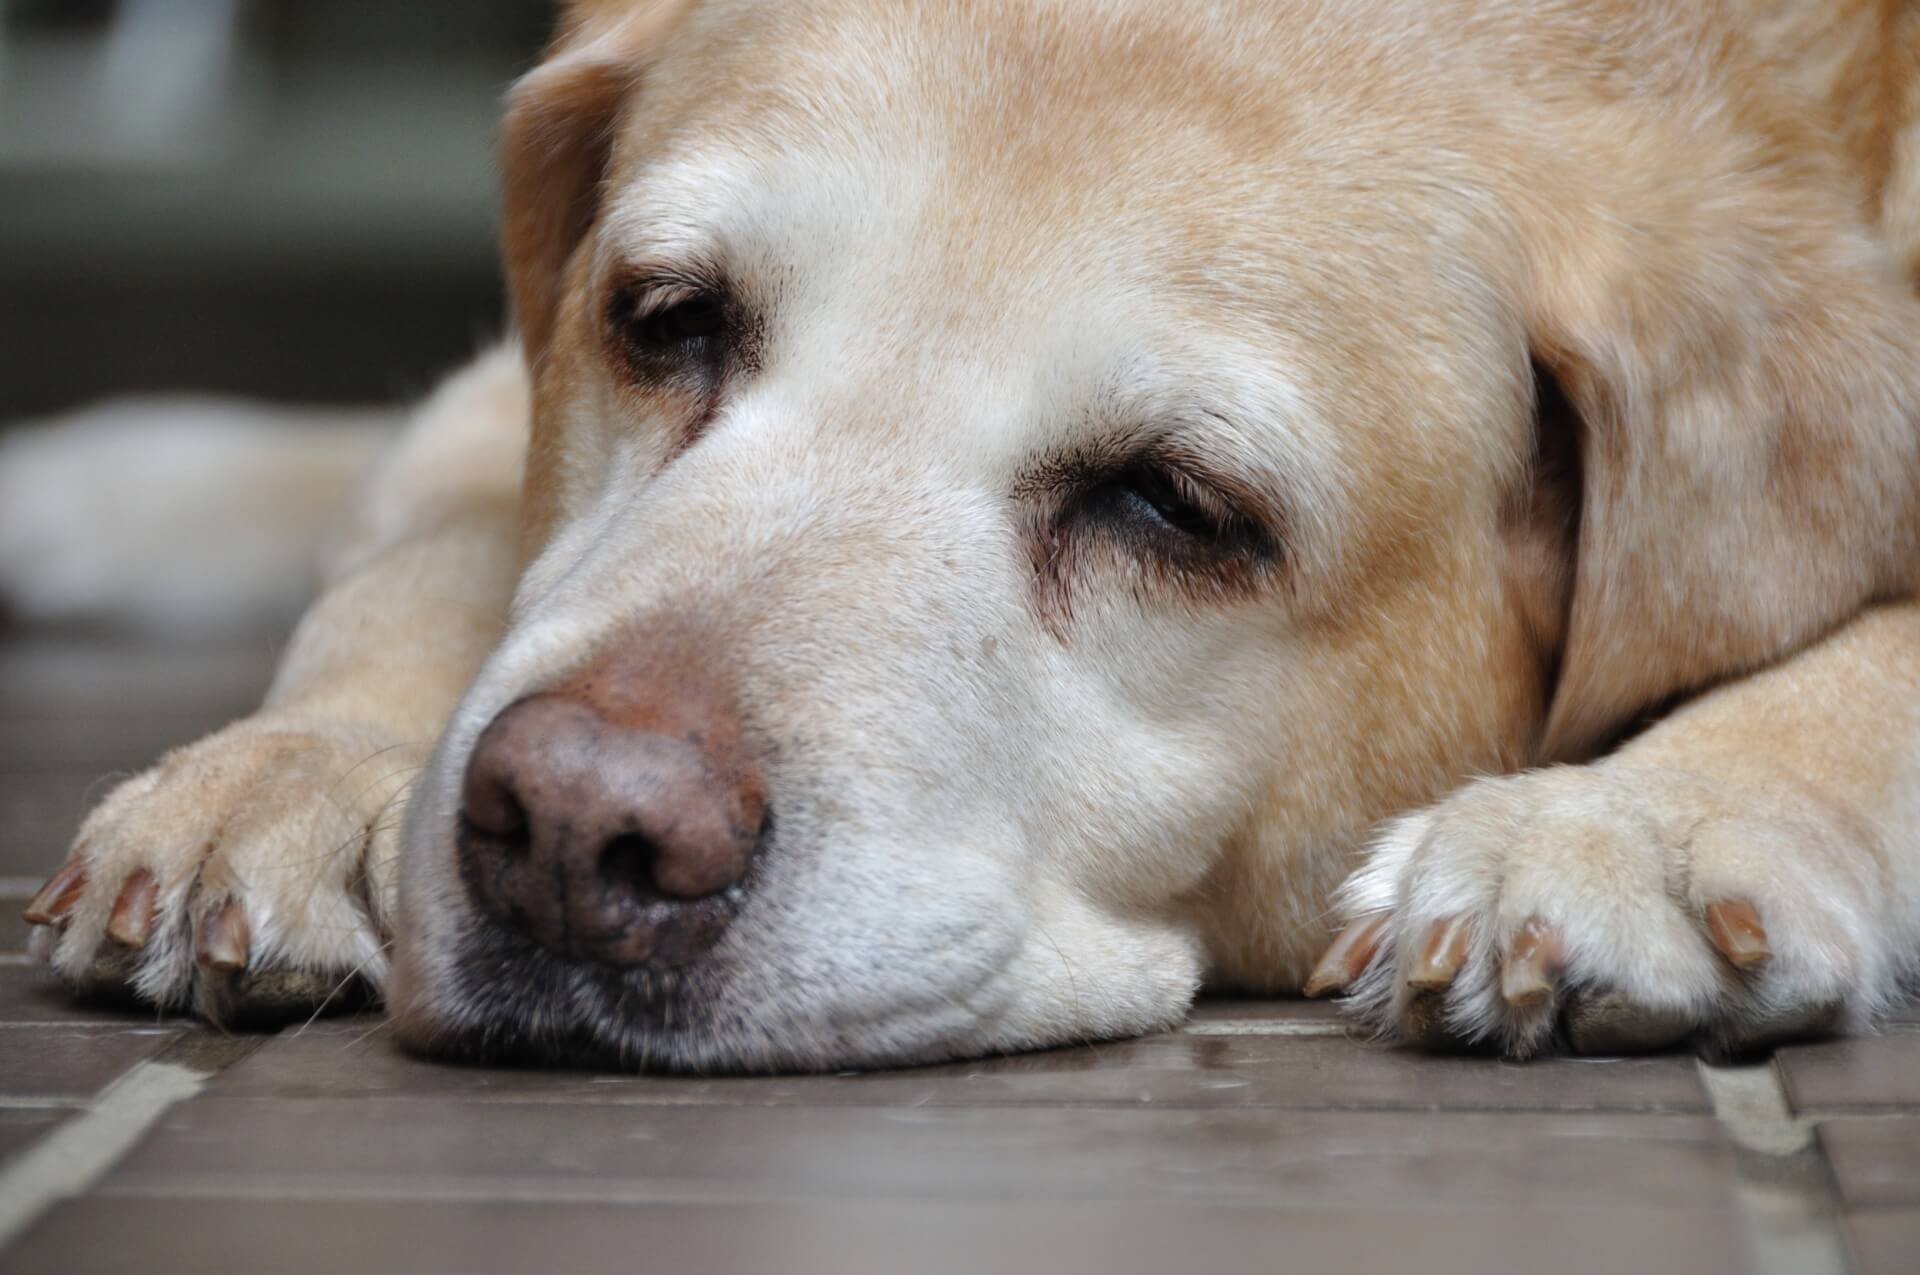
<point>248,877</point>
<point>1611,909</point>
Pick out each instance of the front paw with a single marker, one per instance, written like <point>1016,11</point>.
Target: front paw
<point>1613,909</point>
<point>247,877</point>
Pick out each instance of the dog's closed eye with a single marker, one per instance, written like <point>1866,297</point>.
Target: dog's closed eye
<point>1163,523</point>
<point>668,326</point>
<point>675,340</point>
<point>1145,497</point>
<point>678,325</point>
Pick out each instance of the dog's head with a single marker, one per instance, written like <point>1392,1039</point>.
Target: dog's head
<point>1018,489</point>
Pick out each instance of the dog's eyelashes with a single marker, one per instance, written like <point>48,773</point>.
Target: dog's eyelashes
<point>1190,528</point>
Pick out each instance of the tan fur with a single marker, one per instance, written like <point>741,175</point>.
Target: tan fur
<point>1363,226</point>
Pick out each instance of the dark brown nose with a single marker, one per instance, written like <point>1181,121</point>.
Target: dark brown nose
<point>608,841</point>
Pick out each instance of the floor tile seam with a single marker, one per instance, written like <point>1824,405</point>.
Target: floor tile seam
<point>1783,1182</point>
<point>666,1190</point>
<point>1702,1114</point>
<point>99,1024</point>
<point>77,1153</point>
<point>38,1102</point>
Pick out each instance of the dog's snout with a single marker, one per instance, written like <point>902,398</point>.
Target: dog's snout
<point>604,840</point>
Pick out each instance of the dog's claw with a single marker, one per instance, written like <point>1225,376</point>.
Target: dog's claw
<point>1531,970</point>
<point>1734,926</point>
<point>57,896</point>
<point>1442,955</point>
<point>134,910</point>
<point>223,939</point>
<point>1348,956</point>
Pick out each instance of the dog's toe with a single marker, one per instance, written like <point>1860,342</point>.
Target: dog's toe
<point>1608,913</point>
<point>247,878</point>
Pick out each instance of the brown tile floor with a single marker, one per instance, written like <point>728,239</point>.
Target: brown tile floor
<point>1261,1137</point>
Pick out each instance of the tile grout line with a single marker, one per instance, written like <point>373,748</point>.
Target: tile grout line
<point>1789,1213</point>
<point>131,1026</point>
<point>1266,1027</point>
<point>80,1152</point>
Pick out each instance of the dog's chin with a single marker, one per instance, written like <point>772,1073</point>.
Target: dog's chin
<point>509,1002</point>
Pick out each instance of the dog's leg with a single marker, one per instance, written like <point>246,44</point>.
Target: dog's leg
<point>1746,871</point>
<point>253,873</point>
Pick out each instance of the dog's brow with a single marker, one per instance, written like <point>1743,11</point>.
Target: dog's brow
<point>669,209</point>
<point>664,257</point>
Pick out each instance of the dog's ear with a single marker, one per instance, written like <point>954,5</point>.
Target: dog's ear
<point>555,144</point>
<point>1743,378</point>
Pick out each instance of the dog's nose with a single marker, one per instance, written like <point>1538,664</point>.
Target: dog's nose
<point>606,841</point>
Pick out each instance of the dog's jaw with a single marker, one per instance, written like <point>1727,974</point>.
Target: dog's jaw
<point>767,1000</point>
<point>852,948</point>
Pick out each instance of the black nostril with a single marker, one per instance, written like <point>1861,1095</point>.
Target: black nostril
<point>512,820</point>
<point>626,866</point>
<point>515,830</point>
<point>492,812</point>
<point>511,847</point>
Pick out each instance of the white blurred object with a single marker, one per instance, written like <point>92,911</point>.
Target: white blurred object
<point>162,85</point>
<point>176,515</point>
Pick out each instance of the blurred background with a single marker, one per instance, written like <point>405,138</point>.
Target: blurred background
<point>291,199</point>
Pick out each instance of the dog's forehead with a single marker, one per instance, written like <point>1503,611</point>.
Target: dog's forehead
<point>999,151</point>
<point>1036,71</point>
<point>1037,209</point>
<point>951,124</point>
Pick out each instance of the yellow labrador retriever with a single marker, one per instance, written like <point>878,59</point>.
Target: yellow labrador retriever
<point>995,511</point>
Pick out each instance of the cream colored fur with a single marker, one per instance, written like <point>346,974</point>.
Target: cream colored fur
<point>1031,797</point>
<point>192,516</point>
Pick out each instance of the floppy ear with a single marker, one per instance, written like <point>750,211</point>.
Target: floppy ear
<point>1745,376</point>
<point>556,141</point>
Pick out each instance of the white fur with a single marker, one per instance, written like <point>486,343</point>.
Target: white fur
<point>1622,862</point>
<point>295,813</point>
<point>191,516</point>
<point>1623,857</point>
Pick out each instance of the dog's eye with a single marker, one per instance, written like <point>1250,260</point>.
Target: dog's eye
<point>1159,520</point>
<point>669,324</point>
<point>1157,499</point>
<point>698,318</point>
<point>1151,493</point>
<point>1162,510</point>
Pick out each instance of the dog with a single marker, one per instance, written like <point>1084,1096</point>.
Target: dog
<point>996,515</point>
